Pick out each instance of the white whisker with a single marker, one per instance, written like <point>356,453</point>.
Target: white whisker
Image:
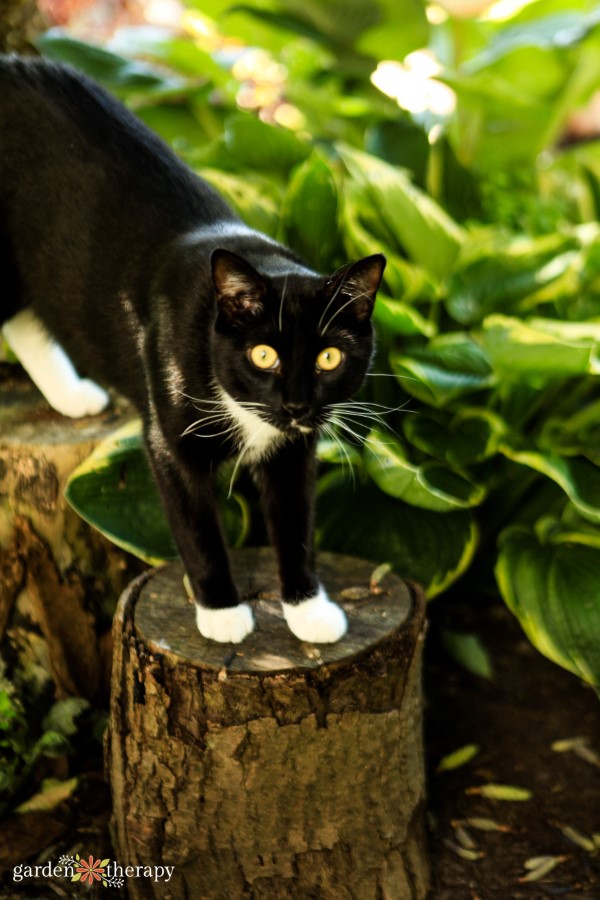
<point>282,299</point>
<point>337,290</point>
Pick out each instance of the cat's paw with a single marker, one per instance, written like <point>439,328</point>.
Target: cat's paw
<point>84,398</point>
<point>229,625</point>
<point>316,620</point>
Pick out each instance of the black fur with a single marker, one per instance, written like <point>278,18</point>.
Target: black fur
<point>154,287</point>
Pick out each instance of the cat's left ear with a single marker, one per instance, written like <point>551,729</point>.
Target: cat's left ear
<point>360,282</point>
<point>240,289</point>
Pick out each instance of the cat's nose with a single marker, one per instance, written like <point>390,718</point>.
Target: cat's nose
<point>296,411</point>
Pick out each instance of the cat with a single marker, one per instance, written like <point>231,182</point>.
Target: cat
<point>114,254</point>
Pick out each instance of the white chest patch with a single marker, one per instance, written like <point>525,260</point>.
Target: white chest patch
<point>257,439</point>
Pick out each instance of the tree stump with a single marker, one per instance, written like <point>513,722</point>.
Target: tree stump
<point>59,578</point>
<point>274,768</point>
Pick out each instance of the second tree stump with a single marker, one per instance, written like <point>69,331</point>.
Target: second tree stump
<point>274,768</point>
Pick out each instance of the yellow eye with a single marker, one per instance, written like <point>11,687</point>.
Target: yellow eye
<point>329,359</point>
<point>264,357</point>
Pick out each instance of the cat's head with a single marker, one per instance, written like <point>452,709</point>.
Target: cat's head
<point>293,344</point>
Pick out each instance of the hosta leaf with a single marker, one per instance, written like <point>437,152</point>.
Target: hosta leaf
<point>579,478</point>
<point>433,550</point>
<point>116,72</point>
<point>553,591</point>
<point>431,485</point>
<point>471,436</point>
<point>574,435</point>
<point>451,366</point>
<point>538,350</point>
<point>267,148</point>
<point>310,213</point>
<point>414,222</point>
<point>254,201</point>
<point>500,273</point>
<point>407,282</point>
<point>396,317</point>
<point>113,490</point>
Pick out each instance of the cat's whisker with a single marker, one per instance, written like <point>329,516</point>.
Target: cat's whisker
<point>336,292</point>
<point>340,444</point>
<point>361,438</point>
<point>390,375</point>
<point>342,307</point>
<point>282,299</point>
<point>247,445</point>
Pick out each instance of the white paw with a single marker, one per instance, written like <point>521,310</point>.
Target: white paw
<point>225,625</point>
<point>84,398</point>
<point>317,620</point>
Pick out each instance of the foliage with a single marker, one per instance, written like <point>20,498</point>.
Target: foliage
<point>489,319</point>
<point>23,746</point>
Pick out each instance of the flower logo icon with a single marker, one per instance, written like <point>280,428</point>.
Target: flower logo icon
<point>92,870</point>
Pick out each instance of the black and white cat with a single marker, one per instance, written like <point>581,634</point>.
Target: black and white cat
<point>114,254</point>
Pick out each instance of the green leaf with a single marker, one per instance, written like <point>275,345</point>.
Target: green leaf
<point>115,492</point>
<point>52,743</point>
<point>415,224</point>
<point>110,69</point>
<point>450,367</point>
<point>552,588</point>
<point>267,148</point>
<point>468,650</point>
<point>310,213</point>
<point>53,792</point>
<point>501,792</point>
<point>458,758</point>
<point>254,200</point>
<point>579,478</point>
<point>63,714</point>
<point>577,434</point>
<point>432,549</point>
<point>471,436</point>
<point>431,485</point>
<point>539,350</point>
<point>499,272</point>
<point>399,318</point>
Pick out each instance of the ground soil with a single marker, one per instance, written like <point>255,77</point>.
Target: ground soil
<point>514,719</point>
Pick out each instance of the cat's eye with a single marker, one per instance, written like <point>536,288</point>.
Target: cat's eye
<point>329,359</point>
<point>264,357</point>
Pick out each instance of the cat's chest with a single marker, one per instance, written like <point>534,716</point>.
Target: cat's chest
<point>256,438</point>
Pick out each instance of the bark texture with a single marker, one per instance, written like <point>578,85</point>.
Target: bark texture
<point>275,769</point>
<point>59,579</point>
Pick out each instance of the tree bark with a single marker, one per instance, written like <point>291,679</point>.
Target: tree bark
<point>59,578</point>
<point>273,769</point>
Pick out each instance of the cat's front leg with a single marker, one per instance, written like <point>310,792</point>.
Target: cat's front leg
<point>51,370</point>
<point>191,508</point>
<point>287,486</point>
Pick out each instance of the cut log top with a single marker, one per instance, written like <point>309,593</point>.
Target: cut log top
<point>165,621</point>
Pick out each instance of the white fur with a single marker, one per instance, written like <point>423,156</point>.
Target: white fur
<point>225,625</point>
<point>317,620</point>
<point>51,370</point>
<point>257,438</point>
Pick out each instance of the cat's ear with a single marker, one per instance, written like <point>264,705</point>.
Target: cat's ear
<point>239,288</point>
<point>359,282</point>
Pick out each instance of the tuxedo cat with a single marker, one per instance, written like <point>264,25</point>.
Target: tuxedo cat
<point>115,255</point>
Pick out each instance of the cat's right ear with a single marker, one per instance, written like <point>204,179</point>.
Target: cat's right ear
<point>239,288</point>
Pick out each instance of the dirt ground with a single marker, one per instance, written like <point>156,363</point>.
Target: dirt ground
<point>514,719</point>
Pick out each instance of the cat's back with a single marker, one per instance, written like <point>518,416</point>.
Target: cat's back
<point>56,122</point>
